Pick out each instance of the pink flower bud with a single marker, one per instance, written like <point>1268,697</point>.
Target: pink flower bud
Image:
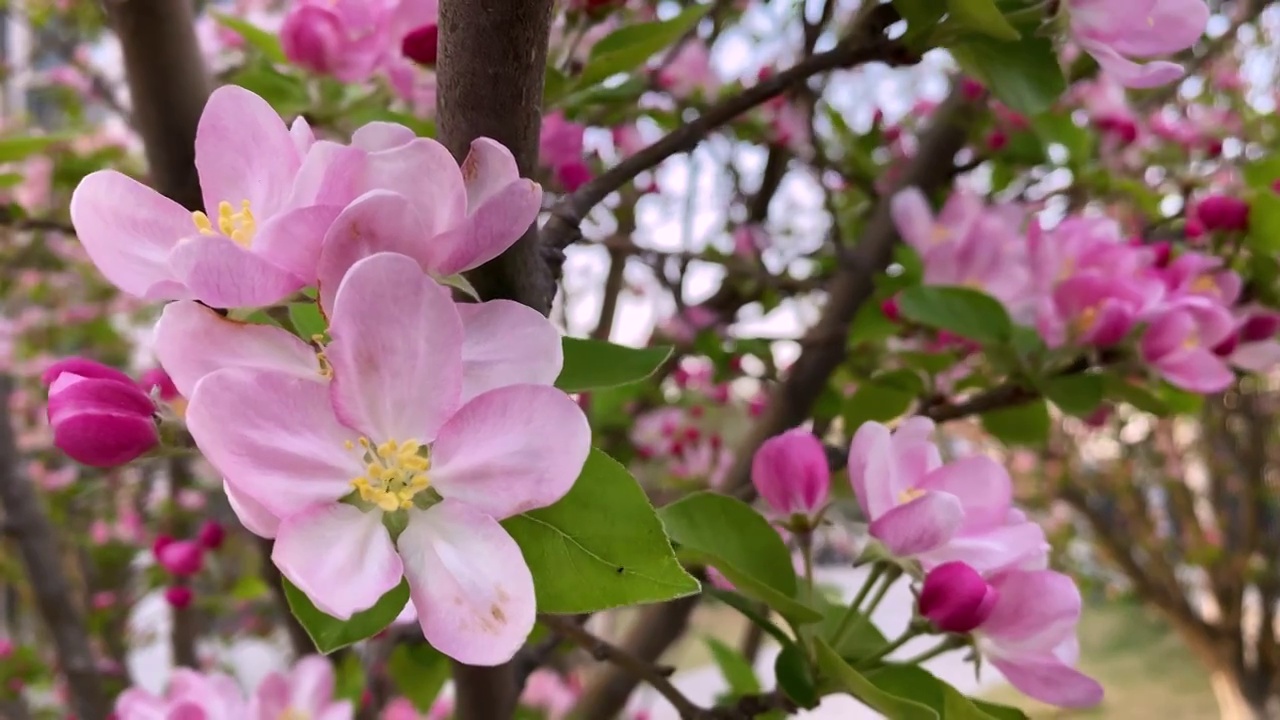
<point>573,175</point>
<point>181,557</point>
<point>971,88</point>
<point>98,415</point>
<point>1228,345</point>
<point>890,309</point>
<point>312,37</point>
<point>1221,212</point>
<point>422,45</point>
<point>955,598</point>
<point>179,596</point>
<point>160,543</point>
<point>6,649</point>
<point>211,535</point>
<point>790,472</point>
<point>1193,228</point>
<point>997,140</point>
<point>1260,326</point>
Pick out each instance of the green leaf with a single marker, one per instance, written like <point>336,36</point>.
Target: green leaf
<point>965,312</point>
<point>983,16</point>
<point>419,672</point>
<point>1260,174</point>
<point>999,712</point>
<point>266,43</point>
<point>307,320</point>
<point>1078,393</point>
<point>920,685</point>
<point>1025,424</point>
<point>861,639</point>
<point>1024,74</point>
<point>794,676</point>
<point>349,679</point>
<point>1179,401</point>
<point>590,364</point>
<point>601,546</point>
<point>330,633</point>
<point>922,18</point>
<point>1264,222</point>
<point>1134,394</point>
<point>884,397</point>
<point>726,533</point>
<point>750,611</point>
<point>630,46</point>
<point>19,147</point>
<point>735,668</point>
<point>554,87</point>
<point>852,682</point>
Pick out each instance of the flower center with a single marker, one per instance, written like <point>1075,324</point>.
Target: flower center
<point>291,714</point>
<point>395,472</point>
<point>941,233</point>
<point>1088,318</point>
<point>1205,284</point>
<point>910,494</point>
<point>239,226</point>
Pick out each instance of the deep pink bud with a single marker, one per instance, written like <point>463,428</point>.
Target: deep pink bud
<point>6,649</point>
<point>573,175</point>
<point>1222,212</point>
<point>102,420</point>
<point>157,378</point>
<point>1260,326</point>
<point>972,89</point>
<point>1098,417</point>
<point>83,367</point>
<point>955,598</point>
<point>890,309</point>
<point>422,45</point>
<point>312,37</point>
<point>1228,345</point>
<point>179,596</point>
<point>181,557</point>
<point>1275,186</point>
<point>1163,252</point>
<point>997,140</point>
<point>211,535</point>
<point>1193,228</point>
<point>790,472</point>
<point>160,543</point>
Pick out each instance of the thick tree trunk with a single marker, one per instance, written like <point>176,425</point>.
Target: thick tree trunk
<point>1241,698</point>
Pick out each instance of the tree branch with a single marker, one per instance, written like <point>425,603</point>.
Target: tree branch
<point>865,43</point>
<point>38,543</point>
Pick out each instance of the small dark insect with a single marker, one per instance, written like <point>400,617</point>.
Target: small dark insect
<point>620,570</point>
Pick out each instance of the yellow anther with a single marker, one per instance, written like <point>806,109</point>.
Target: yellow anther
<point>940,233</point>
<point>239,226</point>
<point>910,494</point>
<point>1088,318</point>
<point>1204,284</point>
<point>395,472</point>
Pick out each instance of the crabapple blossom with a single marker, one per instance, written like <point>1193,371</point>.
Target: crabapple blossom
<point>1113,31</point>
<point>346,39</point>
<point>99,415</point>
<point>955,598</point>
<point>305,691</point>
<point>189,694</point>
<point>790,472</point>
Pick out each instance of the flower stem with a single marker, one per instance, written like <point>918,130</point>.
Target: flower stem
<point>890,574</point>
<point>950,643</point>
<point>903,639</point>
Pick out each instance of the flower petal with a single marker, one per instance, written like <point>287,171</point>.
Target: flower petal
<point>251,513</point>
<point>128,230</point>
<point>192,341</point>
<point>1196,370</point>
<point>339,556</point>
<point>441,201</point>
<point>378,221</point>
<point>244,152</point>
<point>274,436</point>
<point>488,169</point>
<point>311,683</point>
<point>220,273</point>
<point>488,232</point>
<point>981,484</point>
<point>396,351</point>
<point>469,582</point>
<point>331,174</point>
<point>1036,612</point>
<point>1051,681</point>
<point>292,240</point>
<point>506,343</point>
<point>1016,545</point>
<point>493,454</point>
<point>872,469</point>
<point>376,136</point>
<point>919,526</point>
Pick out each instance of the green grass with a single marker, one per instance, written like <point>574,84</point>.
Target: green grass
<point>1144,666</point>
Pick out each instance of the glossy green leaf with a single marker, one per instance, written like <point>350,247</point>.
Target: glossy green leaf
<point>923,687</point>
<point>882,398</point>
<point>749,610</point>
<point>265,42</point>
<point>984,17</point>
<point>1141,398</point>
<point>1264,222</point>
<point>1024,73</point>
<point>19,147</point>
<point>857,685</point>
<point>730,530</point>
<point>349,679</point>
<point>330,633</point>
<point>861,638</point>
<point>794,676</point>
<point>601,546</point>
<point>736,669</point>
<point>965,312</point>
<point>1025,424</point>
<point>1077,393</point>
<point>590,364</point>
<point>307,320</point>
<point>419,672</point>
<point>630,46</point>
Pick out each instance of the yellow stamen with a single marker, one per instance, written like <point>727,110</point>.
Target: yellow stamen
<point>291,714</point>
<point>910,494</point>
<point>239,226</point>
<point>1205,284</point>
<point>395,473</point>
<point>1088,318</point>
<point>941,233</point>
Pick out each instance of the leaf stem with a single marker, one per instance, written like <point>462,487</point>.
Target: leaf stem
<point>889,573</point>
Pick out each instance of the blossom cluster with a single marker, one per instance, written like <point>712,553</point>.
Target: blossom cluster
<point>1083,284</point>
<point>388,448</point>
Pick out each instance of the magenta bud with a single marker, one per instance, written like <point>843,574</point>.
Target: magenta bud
<point>101,420</point>
<point>955,598</point>
<point>181,557</point>
<point>1222,212</point>
<point>997,140</point>
<point>422,45</point>
<point>1098,417</point>
<point>1163,251</point>
<point>1228,345</point>
<point>573,175</point>
<point>972,89</point>
<point>890,309</point>
<point>83,367</point>
<point>160,543</point>
<point>211,535</point>
<point>179,596</point>
<point>1260,326</point>
<point>1193,228</point>
<point>790,472</point>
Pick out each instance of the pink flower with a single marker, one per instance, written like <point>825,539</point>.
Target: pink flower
<point>1179,344</point>
<point>1223,212</point>
<point>270,200</point>
<point>628,140</point>
<point>190,694</point>
<point>179,597</point>
<point>955,598</point>
<point>689,71</point>
<point>547,691</point>
<point>345,39</point>
<point>401,709</point>
<point>156,379</point>
<point>1112,31</point>
<point>749,240</point>
<point>99,416</point>
<point>1030,636</point>
<point>390,425</point>
<point>180,557</point>
<point>1092,309</point>
<point>1257,349</point>
<point>790,472</point>
<point>560,141</point>
<point>305,692</point>
<point>422,45</point>
<point>458,220</point>
<point>211,535</point>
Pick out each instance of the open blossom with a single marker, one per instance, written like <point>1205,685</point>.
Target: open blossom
<point>1113,31</point>
<point>269,198</point>
<point>190,694</point>
<point>1179,344</point>
<point>346,39</point>
<point>306,691</point>
<point>1030,636</point>
<point>389,439</point>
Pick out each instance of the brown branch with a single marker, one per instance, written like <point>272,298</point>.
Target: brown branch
<point>38,544</point>
<point>866,43</point>
<point>168,87</point>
